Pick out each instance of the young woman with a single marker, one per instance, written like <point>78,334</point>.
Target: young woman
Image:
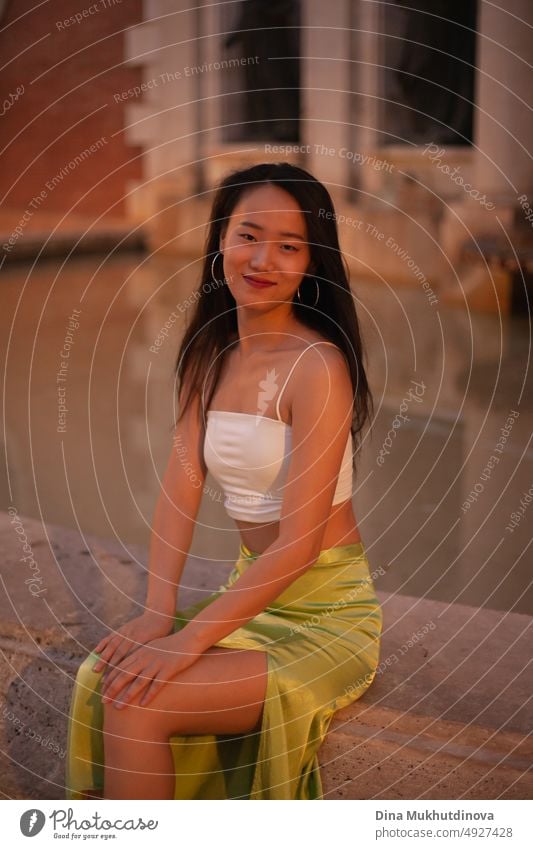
<point>232,697</point>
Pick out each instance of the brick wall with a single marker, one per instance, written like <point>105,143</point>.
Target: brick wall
<point>56,96</point>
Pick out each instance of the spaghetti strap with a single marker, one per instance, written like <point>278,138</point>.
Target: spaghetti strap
<point>320,342</point>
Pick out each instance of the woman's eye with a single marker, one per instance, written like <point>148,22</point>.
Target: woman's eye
<point>249,236</point>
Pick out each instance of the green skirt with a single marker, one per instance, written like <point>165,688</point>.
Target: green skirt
<point>321,636</point>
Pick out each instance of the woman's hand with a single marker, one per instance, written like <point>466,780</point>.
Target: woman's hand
<point>148,669</point>
<point>143,629</point>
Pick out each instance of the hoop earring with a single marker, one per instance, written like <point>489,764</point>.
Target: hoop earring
<point>214,279</point>
<point>317,293</point>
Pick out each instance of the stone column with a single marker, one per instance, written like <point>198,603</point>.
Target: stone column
<point>504,87</point>
<point>163,119</point>
<point>325,89</point>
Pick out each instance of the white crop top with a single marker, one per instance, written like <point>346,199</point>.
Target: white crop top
<point>249,456</point>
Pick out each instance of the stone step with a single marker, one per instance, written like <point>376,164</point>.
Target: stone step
<point>379,753</point>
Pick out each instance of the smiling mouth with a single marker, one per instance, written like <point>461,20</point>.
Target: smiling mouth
<point>257,282</point>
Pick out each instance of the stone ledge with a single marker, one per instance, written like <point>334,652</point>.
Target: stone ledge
<point>446,717</point>
<point>379,753</point>
<point>50,234</point>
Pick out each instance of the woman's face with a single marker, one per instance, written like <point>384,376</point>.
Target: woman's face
<point>265,241</point>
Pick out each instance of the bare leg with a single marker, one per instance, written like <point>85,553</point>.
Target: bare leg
<point>124,780</point>
<point>204,699</point>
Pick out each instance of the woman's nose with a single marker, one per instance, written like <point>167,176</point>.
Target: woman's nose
<point>262,255</point>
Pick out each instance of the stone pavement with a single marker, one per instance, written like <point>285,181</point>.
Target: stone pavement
<point>448,715</point>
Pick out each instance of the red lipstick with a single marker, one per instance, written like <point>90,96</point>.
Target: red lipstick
<point>258,282</point>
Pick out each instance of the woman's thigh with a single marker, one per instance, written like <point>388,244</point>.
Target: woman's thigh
<point>223,692</point>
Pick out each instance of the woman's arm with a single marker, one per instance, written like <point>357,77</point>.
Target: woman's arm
<point>175,514</point>
<point>273,571</point>
<point>321,424</point>
<point>172,532</point>
<point>176,511</point>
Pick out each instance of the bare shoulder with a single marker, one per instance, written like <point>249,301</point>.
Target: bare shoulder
<point>323,372</point>
<point>329,355</point>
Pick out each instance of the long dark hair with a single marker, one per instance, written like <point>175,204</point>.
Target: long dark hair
<point>213,325</point>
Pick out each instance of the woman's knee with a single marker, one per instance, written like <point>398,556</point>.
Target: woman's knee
<point>133,723</point>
